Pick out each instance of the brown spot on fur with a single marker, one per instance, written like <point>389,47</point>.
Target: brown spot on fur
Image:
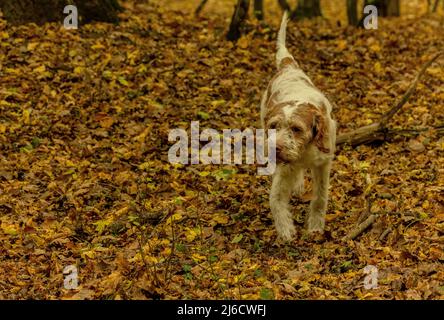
<point>275,109</point>
<point>315,118</point>
<point>287,62</point>
<point>270,84</point>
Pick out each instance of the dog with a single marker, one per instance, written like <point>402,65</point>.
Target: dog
<point>305,139</point>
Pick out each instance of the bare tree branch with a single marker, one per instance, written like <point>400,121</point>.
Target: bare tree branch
<point>378,130</point>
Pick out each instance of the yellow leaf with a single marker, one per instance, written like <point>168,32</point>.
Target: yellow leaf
<point>434,71</point>
<point>191,234</point>
<point>26,116</point>
<point>221,218</point>
<point>378,67</point>
<point>78,70</point>
<point>243,42</point>
<point>205,89</point>
<point>98,46</point>
<point>106,122</point>
<point>123,81</point>
<point>9,229</point>
<point>166,251</point>
<point>32,45</point>
<point>237,71</point>
<point>197,257</point>
<point>120,212</point>
<point>102,224</point>
<point>145,166</point>
<point>217,103</point>
<point>69,163</point>
<point>342,44</point>
<point>342,158</point>
<point>364,165</point>
<point>12,70</point>
<point>175,217</point>
<point>88,253</point>
<point>375,47</point>
<point>142,69</point>
<point>40,69</point>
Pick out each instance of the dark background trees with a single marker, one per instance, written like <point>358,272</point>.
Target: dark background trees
<point>41,11</point>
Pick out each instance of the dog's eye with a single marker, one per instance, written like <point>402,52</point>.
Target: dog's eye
<point>296,129</point>
<point>272,125</point>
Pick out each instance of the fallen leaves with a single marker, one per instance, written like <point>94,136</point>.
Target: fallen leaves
<point>85,180</point>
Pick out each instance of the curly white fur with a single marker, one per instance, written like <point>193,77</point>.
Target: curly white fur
<point>306,138</point>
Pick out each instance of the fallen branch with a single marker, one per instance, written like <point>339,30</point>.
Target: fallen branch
<point>385,233</point>
<point>361,227</point>
<point>378,131</point>
<point>200,7</point>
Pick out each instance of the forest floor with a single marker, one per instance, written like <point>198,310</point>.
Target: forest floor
<point>85,178</point>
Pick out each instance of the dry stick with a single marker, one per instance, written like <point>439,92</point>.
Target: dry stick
<point>200,7</point>
<point>385,233</point>
<point>378,130</point>
<point>172,253</point>
<point>361,227</point>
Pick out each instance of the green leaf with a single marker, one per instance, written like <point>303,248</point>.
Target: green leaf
<point>237,238</point>
<point>203,115</point>
<point>35,142</point>
<point>180,247</point>
<point>186,268</point>
<point>107,74</point>
<point>266,294</point>
<point>123,81</point>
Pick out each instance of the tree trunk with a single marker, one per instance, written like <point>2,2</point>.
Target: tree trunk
<point>386,8</point>
<point>352,12</point>
<point>237,21</point>
<point>41,11</point>
<point>435,6</point>
<point>393,8</point>
<point>307,9</point>
<point>259,9</point>
<point>284,5</point>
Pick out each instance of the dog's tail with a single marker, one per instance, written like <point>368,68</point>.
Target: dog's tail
<point>282,51</point>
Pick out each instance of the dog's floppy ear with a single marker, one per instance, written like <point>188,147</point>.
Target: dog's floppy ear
<point>319,132</point>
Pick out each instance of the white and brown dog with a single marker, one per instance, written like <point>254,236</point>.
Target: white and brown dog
<point>305,139</point>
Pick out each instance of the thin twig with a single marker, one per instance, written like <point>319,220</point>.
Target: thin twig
<point>361,227</point>
<point>200,7</point>
<point>410,90</point>
<point>172,253</point>
<point>377,131</point>
<point>385,233</point>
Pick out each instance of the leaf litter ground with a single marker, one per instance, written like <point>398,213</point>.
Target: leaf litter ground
<point>85,179</point>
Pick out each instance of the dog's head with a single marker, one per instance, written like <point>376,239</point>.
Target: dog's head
<point>297,126</point>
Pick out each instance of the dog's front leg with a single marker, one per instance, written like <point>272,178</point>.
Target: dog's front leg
<point>318,206</point>
<point>280,194</point>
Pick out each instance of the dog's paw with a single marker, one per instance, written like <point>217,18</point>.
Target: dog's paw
<point>286,233</point>
<point>316,236</point>
<point>315,225</point>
